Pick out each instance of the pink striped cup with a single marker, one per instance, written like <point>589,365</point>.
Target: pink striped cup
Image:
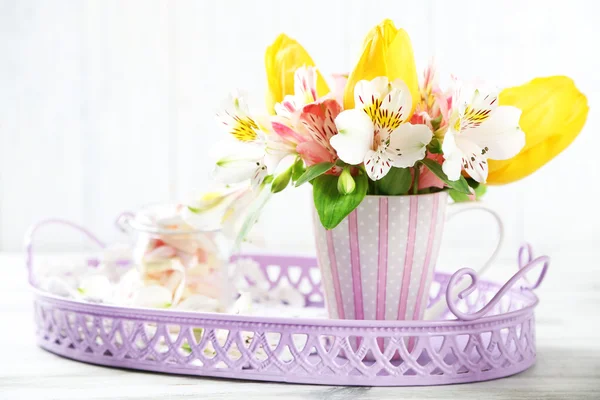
<point>378,263</point>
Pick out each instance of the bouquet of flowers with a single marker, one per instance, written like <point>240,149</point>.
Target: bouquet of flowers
<point>378,131</point>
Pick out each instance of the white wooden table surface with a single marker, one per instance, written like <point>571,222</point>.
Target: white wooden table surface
<point>568,364</point>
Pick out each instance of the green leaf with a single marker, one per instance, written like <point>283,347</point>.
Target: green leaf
<point>435,146</point>
<point>282,180</point>
<point>461,197</point>
<point>459,185</point>
<point>458,197</point>
<point>472,183</point>
<point>396,182</point>
<point>340,163</point>
<point>298,169</point>
<point>268,179</point>
<point>436,122</point>
<point>313,171</point>
<point>331,205</point>
<point>480,191</point>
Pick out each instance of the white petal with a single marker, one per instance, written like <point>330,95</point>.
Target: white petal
<point>288,295</point>
<point>208,219</point>
<point>234,116</point>
<point>477,171</point>
<point>57,286</point>
<point>377,163</point>
<point>408,144</point>
<point>398,100</point>
<point>475,105</point>
<point>276,151</point>
<point>160,253</point>
<point>365,92</point>
<point>96,287</point>
<point>198,302</point>
<point>305,84</point>
<point>476,95</point>
<point>473,161</point>
<point>239,165</point>
<point>206,211</point>
<point>246,268</point>
<point>452,165</point>
<point>243,305</point>
<point>129,283</point>
<point>355,136</point>
<point>501,134</point>
<point>260,173</point>
<point>152,296</point>
<point>287,107</point>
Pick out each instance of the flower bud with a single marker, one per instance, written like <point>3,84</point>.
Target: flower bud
<point>346,184</point>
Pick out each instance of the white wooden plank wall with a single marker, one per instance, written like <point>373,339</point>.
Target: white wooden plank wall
<point>106,105</point>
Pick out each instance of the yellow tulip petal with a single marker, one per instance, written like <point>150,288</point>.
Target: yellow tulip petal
<point>386,29</point>
<point>387,52</point>
<point>282,59</point>
<point>370,65</point>
<point>554,113</point>
<point>401,64</point>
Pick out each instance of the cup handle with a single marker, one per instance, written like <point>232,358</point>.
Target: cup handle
<point>436,310</point>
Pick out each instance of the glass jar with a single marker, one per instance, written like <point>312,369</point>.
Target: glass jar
<point>171,253</point>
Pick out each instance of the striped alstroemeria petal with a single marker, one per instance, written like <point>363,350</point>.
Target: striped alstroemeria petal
<point>236,119</point>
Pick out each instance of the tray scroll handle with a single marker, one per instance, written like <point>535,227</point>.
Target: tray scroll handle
<point>526,263</point>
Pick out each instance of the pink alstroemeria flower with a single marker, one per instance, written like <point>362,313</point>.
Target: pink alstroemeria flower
<point>319,121</point>
<point>434,101</point>
<point>304,123</point>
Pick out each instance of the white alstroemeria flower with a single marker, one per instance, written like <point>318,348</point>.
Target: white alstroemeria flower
<point>224,208</point>
<point>242,162</point>
<point>245,158</point>
<point>376,131</point>
<point>209,210</point>
<point>480,129</point>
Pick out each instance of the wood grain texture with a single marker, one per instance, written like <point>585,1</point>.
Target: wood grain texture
<point>568,364</point>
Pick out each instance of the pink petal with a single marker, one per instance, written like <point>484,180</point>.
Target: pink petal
<point>287,133</point>
<point>307,79</point>
<point>160,253</point>
<point>318,118</point>
<point>427,178</point>
<point>339,84</point>
<point>314,153</point>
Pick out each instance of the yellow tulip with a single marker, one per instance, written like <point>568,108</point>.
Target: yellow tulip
<point>282,59</point>
<point>554,113</point>
<point>387,51</point>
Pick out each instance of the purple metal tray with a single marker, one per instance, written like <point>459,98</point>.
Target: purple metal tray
<point>464,347</point>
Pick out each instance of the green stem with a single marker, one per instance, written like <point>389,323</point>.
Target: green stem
<point>416,179</point>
